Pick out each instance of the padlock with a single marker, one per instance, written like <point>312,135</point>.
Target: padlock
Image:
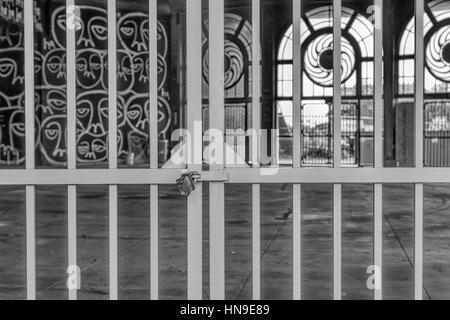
<point>186,183</point>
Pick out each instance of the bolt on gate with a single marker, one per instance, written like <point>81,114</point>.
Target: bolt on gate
<point>219,175</point>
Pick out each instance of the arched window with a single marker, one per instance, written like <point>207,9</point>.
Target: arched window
<point>317,87</point>
<point>237,78</point>
<point>436,76</point>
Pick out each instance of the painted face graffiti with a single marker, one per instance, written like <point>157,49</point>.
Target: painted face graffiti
<point>92,31</point>
<point>50,102</point>
<point>92,83</point>
<point>53,138</point>
<point>92,112</point>
<point>10,36</point>
<point>92,148</point>
<point>164,116</point>
<point>12,72</point>
<point>38,65</point>
<point>140,65</point>
<point>12,135</point>
<point>55,102</point>
<point>90,68</point>
<point>55,68</point>
<point>92,126</point>
<point>134,132</point>
<point>95,34</point>
<point>125,75</point>
<point>133,32</point>
<point>92,122</point>
<point>4,100</point>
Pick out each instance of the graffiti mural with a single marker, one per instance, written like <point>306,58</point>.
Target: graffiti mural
<point>12,135</point>
<point>92,88</point>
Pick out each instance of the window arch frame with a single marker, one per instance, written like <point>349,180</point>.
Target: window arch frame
<point>361,75</point>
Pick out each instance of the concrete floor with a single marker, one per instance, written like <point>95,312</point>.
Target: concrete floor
<point>276,242</point>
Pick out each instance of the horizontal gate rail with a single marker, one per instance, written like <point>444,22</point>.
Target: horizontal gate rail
<point>234,175</point>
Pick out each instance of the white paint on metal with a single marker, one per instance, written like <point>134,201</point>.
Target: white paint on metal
<point>154,243</point>
<point>337,241</point>
<point>256,241</point>
<point>30,148</point>
<point>71,140</point>
<point>194,117</point>
<point>153,136</point>
<point>378,143</point>
<point>297,246</point>
<point>72,233</point>
<point>337,4</point>
<point>112,155</point>
<point>217,123</point>
<point>297,146</point>
<point>419,147</point>
<point>255,153</point>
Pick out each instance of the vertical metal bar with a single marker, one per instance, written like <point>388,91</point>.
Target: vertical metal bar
<point>72,233</point>
<point>418,242</point>
<point>256,241</point>
<point>154,243</point>
<point>112,138</point>
<point>113,246</point>
<point>297,83</point>
<point>419,83</point>
<point>217,240</point>
<point>256,124</point>
<point>378,145</point>
<point>419,117</point>
<point>337,82</point>
<point>378,240</point>
<point>31,241</point>
<point>153,136</point>
<point>337,146</point>
<point>29,84</point>
<point>71,135</point>
<point>71,89</point>
<point>297,144</point>
<point>378,85</point>
<point>256,82</point>
<point>194,127</point>
<point>153,83</point>
<point>337,247</point>
<point>112,83</point>
<point>217,124</point>
<point>297,220</point>
<point>30,148</point>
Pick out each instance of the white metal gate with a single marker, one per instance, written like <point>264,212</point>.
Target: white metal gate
<point>220,174</point>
